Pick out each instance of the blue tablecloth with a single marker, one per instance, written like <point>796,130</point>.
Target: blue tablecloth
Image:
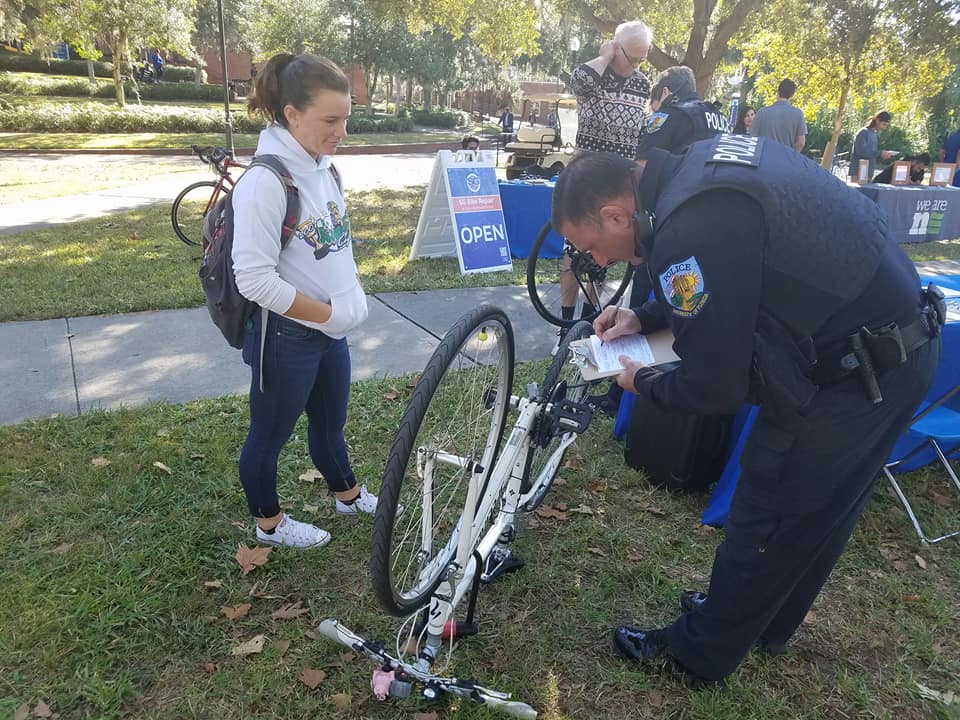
<point>526,209</point>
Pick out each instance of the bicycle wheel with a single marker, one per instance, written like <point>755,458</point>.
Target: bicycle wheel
<point>594,286</point>
<point>454,420</point>
<point>190,208</point>
<point>562,381</point>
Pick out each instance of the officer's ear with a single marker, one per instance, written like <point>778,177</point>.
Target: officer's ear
<point>614,215</point>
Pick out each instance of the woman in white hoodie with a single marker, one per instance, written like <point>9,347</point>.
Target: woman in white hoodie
<point>310,288</point>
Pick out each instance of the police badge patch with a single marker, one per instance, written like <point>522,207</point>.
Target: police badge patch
<point>656,121</point>
<point>683,287</point>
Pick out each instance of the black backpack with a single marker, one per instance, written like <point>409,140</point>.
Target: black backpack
<point>228,309</point>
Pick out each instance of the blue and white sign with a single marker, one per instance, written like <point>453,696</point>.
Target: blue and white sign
<point>462,214</point>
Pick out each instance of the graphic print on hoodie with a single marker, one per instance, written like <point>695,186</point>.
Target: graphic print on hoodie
<point>327,234</point>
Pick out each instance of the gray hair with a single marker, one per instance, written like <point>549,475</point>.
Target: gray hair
<point>679,79</point>
<point>635,29</point>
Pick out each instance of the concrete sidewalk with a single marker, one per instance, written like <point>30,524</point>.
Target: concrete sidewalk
<point>74,365</point>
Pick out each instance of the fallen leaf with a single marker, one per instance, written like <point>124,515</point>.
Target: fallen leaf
<point>249,558</point>
<point>281,646</point>
<point>634,557</point>
<point>596,487</point>
<point>393,394</point>
<point>559,481</point>
<point>237,611</point>
<point>289,611</point>
<point>62,548</point>
<point>810,617</point>
<point>99,462</point>
<point>160,466</point>
<point>210,667</point>
<point>596,551</point>
<point>941,499</point>
<point>947,698</point>
<point>163,432</point>
<point>41,710</point>
<point>312,677</point>
<point>135,236</point>
<point>225,414</point>
<point>424,716</point>
<point>287,505</point>
<point>251,647</point>
<point>899,565</point>
<point>937,646</point>
<point>921,562</point>
<point>238,524</point>
<point>348,656</point>
<point>341,701</point>
<point>562,506</point>
<point>413,383</point>
<point>197,456</point>
<point>706,529</point>
<point>582,509</point>
<point>573,463</point>
<point>657,698</point>
<point>312,634</point>
<point>789,666</point>
<point>311,475</point>
<point>550,512</point>
<point>875,574</point>
<point>653,510</point>
<point>22,712</point>
<point>911,598</point>
<point>311,508</point>
<point>212,584</point>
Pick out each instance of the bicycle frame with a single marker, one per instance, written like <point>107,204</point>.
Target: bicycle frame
<point>472,548</point>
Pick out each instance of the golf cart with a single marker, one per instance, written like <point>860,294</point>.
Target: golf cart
<point>540,150</point>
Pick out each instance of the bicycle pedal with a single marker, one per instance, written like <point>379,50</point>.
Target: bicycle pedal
<point>498,564</point>
<point>574,417</point>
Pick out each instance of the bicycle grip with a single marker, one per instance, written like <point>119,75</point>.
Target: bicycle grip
<point>511,707</point>
<point>333,630</point>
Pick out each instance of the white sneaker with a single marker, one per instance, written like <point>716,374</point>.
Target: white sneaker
<point>365,503</point>
<point>295,534</point>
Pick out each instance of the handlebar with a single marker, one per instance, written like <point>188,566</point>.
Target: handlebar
<point>213,155</point>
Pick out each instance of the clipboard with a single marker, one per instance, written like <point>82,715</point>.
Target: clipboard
<point>653,349</point>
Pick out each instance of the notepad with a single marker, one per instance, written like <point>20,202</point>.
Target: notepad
<point>598,360</point>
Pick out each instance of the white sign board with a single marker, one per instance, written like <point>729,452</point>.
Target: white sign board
<point>462,214</point>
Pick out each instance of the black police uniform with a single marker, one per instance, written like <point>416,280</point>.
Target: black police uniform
<point>765,267</point>
<point>677,124</point>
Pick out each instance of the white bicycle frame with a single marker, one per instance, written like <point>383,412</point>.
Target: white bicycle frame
<point>507,473</point>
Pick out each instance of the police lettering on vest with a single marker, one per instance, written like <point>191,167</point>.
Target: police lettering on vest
<point>738,149</point>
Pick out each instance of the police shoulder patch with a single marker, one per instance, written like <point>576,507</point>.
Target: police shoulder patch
<point>684,288</point>
<point>656,121</point>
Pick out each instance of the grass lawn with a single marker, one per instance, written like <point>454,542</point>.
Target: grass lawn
<point>133,261</point>
<point>115,571</point>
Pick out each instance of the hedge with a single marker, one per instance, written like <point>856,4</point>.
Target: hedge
<point>19,62</point>
<point>433,118</point>
<point>21,84</point>
<point>96,117</point>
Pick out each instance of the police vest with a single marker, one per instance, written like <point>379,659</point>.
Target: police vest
<point>707,120</point>
<point>824,240</point>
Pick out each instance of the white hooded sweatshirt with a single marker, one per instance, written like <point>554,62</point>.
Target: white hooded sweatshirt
<point>318,259</point>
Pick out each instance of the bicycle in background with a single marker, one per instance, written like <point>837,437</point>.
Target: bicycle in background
<point>194,202</point>
<point>450,497</point>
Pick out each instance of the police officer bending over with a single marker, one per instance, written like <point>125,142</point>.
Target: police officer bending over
<point>679,116</point>
<point>784,288</point>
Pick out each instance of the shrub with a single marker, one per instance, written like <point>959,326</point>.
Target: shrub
<point>434,118</point>
<point>21,84</point>
<point>95,117</point>
<point>19,62</point>
<point>360,123</point>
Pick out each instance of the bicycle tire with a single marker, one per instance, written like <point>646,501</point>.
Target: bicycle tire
<point>543,284</point>
<point>459,405</point>
<point>187,219</point>
<point>544,460</point>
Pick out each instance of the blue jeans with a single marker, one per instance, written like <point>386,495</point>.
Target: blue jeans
<point>303,369</point>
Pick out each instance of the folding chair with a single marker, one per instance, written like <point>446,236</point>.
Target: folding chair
<point>935,424</point>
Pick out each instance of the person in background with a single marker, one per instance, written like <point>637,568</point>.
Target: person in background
<point>950,152</point>
<point>157,61</point>
<point>309,291</point>
<point>918,168</point>
<point>744,120</point>
<point>506,124</point>
<point>866,144</point>
<point>782,121</point>
<point>470,142</point>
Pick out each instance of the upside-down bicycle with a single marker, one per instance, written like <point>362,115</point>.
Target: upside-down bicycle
<point>449,498</point>
<point>193,203</point>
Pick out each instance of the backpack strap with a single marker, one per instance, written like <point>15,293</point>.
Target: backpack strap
<point>291,219</point>
<point>336,176</point>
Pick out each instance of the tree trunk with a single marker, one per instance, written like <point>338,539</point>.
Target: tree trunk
<point>373,76</point>
<point>409,92</point>
<point>90,73</point>
<point>827,160</point>
<point>115,50</point>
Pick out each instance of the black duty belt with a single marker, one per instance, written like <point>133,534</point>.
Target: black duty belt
<point>872,352</point>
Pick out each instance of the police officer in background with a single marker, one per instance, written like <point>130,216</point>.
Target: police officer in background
<point>679,116</point>
<point>834,340</point>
